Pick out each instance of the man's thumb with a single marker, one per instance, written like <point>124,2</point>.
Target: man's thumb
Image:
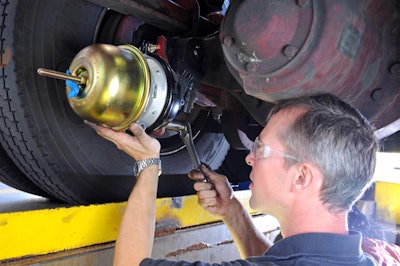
<point>210,175</point>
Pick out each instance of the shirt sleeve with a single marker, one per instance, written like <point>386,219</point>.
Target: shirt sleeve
<point>384,253</point>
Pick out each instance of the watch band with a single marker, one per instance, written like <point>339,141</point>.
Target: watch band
<point>140,165</point>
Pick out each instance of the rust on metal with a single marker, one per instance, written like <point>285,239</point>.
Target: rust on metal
<point>347,48</point>
<point>166,227</point>
<point>197,247</point>
<point>194,247</point>
<point>166,15</point>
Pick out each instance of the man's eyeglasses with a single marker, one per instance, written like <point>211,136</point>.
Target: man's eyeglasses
<point>261,151</point>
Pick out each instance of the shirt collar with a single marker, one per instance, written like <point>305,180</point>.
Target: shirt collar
<point>325,244</point>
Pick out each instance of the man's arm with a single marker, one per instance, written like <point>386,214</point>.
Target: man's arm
<point>136,233</point>
<point>248,239</point>
<point>218,198</point>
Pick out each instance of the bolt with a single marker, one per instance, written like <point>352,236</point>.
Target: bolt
<point>301,3</point>
<point>395,69</point>
<point>151,48</point>
<point>251,66</point>
<point>377,94</point>
<point>227,41</point>
<point>290,51</point>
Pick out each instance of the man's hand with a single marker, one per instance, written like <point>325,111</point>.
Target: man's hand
<point>140,146</point>
<point>216,196</point>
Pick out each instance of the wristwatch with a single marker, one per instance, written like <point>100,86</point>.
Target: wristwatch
<point>140,165</point>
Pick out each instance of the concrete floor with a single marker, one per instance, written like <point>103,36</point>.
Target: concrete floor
<point>13,200</point>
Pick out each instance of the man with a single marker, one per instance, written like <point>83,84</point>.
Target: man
<point>311,162</point>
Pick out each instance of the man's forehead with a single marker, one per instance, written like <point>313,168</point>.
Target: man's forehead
<point>278,123</point>
<point>287,116</point>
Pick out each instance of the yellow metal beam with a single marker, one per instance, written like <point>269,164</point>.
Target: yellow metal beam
<point>38,232</point>
<point>387,202</point>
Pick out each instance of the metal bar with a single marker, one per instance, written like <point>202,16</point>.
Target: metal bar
<point>59,75</point>
<point>185,132</point>
<point>388,130</point>
<point>175,21</point>
<point>57,229</point>
<point>210,243</point>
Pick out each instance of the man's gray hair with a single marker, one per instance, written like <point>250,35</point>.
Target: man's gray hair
<point>338,139</point>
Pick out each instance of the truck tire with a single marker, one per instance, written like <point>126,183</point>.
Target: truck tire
<point>49,143</point>
<point>13,177</point>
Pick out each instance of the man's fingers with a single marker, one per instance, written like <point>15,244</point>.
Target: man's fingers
<point>90,124</point>
<point>207,202</point>
<point>196,175</point>
<point>200,186</point>
<point>204,172</point>
<point>140,146</point>
<point>141,135</point>
<point>120,139</point>
<point>99,129</point>
<point>211,176</point>
<point>102,131</point>
<point>137,130</point>
<point>110,134</point>
<point>96,127</point>
<point>207,194</point>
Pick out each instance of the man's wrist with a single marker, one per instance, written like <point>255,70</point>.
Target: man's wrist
<point>142,164</point>
<point>150,172</point>
<point>232,212</point>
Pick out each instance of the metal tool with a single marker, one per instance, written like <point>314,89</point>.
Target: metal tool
<point>185,132</point>
<point>60,75</point>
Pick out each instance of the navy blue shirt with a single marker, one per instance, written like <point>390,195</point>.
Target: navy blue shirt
<point>303,249</point>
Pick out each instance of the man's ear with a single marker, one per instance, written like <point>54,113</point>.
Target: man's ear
<point>306,175</point>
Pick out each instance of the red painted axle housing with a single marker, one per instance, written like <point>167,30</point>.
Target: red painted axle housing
<point>281,49</point>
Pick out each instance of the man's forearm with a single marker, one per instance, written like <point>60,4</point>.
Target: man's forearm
<point>248,239</point>
<point>136,233</point>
